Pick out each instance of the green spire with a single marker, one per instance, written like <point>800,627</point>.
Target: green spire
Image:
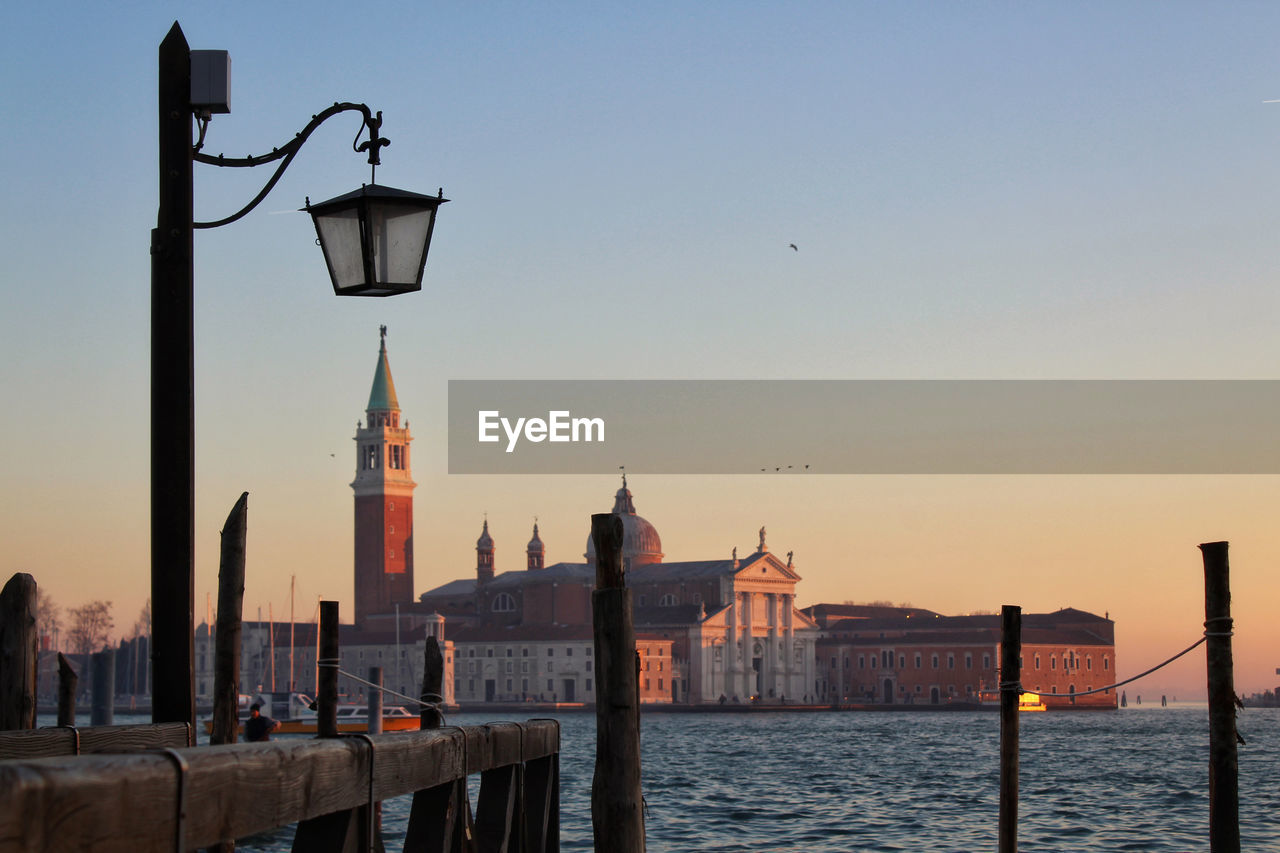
<point>382,397</point>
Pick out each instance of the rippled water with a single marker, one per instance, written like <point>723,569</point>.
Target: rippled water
<point>1130,780</point>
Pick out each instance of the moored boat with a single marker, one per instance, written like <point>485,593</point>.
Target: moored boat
<point>295,712</point>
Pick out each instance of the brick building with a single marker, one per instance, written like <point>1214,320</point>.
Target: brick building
<point>889,655</point>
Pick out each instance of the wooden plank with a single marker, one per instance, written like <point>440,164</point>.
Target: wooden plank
<point>128,802</point>
<point>434,824</point>
<point>542,805</point>
<point>51,742</point>
<point>498,826</point>
<point>18,650</point>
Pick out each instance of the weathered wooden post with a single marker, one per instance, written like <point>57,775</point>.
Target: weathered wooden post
<point>432,685</point>
<point>327,685</point>
<point>375,700</point>
<point>617,817</point>
<point>1010,690</point>
<point>226,659</point>
<point>1224,795</point>
<point>440,817</point>
<point>103,710</point>
<point>67,681</point>
<point>18,652</point>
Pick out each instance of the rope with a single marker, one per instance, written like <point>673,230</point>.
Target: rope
<point>1127,680</point>
<point>435,700</point>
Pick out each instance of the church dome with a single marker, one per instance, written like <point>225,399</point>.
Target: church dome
<point>641,544</point>
<point>535,544</point>
<point>485,542</point>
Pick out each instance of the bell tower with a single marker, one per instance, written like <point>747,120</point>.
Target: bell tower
<point>383,500</point>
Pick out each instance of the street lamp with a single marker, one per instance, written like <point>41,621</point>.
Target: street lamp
<point>375,243</point>
<point>375,239</point>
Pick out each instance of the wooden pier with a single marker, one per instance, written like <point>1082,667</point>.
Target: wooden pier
<point>195,797</point>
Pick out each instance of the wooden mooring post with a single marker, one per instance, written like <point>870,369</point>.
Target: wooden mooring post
<point>1224,801</point>
<point>67,682</point>
<point>18,650</point>
<point>617,816</point>
<point>103,667</point>
<point>226,655</point>
<point>1010,689</point>
<point>374,710</point>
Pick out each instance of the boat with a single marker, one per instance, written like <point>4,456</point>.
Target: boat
<point>1031,702</point>
<point>1027,701</point>
<point>295,712</point>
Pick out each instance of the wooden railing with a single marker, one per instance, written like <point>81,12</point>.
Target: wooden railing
<point>69,740</point>
<point>181,799</point>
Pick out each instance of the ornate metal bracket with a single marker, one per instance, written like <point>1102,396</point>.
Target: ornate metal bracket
<point>286,153</point>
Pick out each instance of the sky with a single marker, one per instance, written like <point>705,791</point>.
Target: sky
<point>975,190</point>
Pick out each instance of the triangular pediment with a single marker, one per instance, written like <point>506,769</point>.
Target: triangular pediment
<point>766,567</point>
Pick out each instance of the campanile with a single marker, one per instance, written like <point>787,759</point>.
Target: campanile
<point>384,500</point>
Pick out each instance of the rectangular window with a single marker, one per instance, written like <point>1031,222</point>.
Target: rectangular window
<point>951,661</point>
<point>588,685</point>
<point>551,652</point>
<point>659,683</point>
<point>917,660</point>
<point>550,684</point>
<point>568,653</point>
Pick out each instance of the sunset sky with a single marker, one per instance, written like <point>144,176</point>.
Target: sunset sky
<point>976,191</point>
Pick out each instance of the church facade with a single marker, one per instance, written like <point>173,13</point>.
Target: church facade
<point>732,626</point>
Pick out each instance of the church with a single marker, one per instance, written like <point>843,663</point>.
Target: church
<point>716,630</point>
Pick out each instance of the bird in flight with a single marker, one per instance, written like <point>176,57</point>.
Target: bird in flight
<point>793,246</point>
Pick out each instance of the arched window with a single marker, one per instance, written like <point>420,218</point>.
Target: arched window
<point>503,603</point>
<point>668,600</point>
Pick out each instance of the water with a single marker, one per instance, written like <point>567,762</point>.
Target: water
<point>1130,780</point>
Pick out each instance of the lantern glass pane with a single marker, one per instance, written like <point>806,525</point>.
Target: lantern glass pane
<point>398,235</point>
<point>340,238</point>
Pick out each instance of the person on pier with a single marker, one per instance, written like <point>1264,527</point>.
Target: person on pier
<point>259,727</point>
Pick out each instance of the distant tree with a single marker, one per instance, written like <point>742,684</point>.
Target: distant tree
<point>48,614</point>
<point>90,627</point>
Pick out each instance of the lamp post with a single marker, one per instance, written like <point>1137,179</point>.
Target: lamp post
<point>375,242</point>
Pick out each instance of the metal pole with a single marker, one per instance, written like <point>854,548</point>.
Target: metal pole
<point>173,398</point>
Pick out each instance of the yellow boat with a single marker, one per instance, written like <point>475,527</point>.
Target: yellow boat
<point>1031,702</point>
